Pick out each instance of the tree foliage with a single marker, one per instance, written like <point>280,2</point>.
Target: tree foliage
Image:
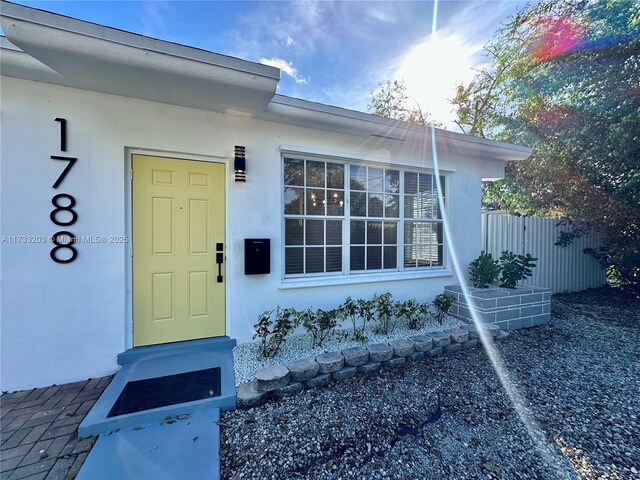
<point>564,79</point>
<point>391,101</point>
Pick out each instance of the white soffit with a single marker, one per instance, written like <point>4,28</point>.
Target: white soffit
<point>93,57</point>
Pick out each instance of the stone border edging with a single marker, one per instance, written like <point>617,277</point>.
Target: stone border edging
<point>278,381</point>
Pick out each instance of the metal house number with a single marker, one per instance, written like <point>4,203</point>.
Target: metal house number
<point>63,213</point>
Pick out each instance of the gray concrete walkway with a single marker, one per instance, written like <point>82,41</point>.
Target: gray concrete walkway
<point>38,430</point>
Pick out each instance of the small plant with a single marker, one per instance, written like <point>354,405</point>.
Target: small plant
<point>483,270</point>
<point>263,330</point>
<point>272,333</point>
<point>319,324</point>
<point>366,311</point>
<point>350,309</point>
<point>385,310</point>
<point>514,268</point>
<point>443,304</point>
<point>413,312</point>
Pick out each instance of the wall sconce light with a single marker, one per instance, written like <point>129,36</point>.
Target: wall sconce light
<point>239,164</point>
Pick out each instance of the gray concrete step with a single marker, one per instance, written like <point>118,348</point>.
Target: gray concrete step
<point>158,361</point>
<point>181,447</point>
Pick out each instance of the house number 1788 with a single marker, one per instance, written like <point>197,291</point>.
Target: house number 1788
<point>63,213</point>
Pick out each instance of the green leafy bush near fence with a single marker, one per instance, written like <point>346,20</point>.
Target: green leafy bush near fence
<point>509,269</point>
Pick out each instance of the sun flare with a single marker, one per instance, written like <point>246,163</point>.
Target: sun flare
<point>432,70</point>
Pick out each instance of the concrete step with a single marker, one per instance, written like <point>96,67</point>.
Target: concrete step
<point>172,448</point>
<point>159,361</point>
<point>205,345</point>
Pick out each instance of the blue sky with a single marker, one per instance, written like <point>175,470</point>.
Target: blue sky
<point>330,52</point>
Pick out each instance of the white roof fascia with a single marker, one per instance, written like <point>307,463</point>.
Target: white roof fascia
<point>92,57</point>
<point>12,11</point>
<point>372,125</point>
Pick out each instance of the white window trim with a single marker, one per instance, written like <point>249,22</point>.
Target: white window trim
<point>346,277</point>
<point>351,157</point>
<point>359,278</point>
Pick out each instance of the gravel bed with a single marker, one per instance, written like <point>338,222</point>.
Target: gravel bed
<point>579,377</point>
<point>296,347</point>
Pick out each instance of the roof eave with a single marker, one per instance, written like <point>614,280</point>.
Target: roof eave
<point>306,113</point>
<point>93,57</point>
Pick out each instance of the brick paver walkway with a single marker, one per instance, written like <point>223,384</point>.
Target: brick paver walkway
<point>38,430</point>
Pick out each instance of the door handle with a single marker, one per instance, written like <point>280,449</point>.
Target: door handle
<point>219,260</point>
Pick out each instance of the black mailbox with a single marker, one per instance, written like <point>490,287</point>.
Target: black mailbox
<point>257,256</point>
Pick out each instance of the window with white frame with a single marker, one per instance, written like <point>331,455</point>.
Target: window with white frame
<point>349,219</point>
<point>423,237</point>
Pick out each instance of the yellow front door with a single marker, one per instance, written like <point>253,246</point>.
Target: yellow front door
<point>178,228</point>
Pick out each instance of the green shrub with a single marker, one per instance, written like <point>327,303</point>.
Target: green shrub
<point>366,312</point>
<point>350,309</point>
<point>443,304</point>
<point>413,312</point>
<point>272,333</point>
<point>509,269</point>
<point>483,270</point>
<point>319,324</point>
<point>514,268</point>
<point>385,312</point>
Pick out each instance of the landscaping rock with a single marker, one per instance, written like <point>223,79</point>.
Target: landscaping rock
<point>448,417</point>
<point>293,388</point>
<point>441,339</point>
<point>321,380</point>
<point>458,335</point>
<point>248,395</point>
<point>402,347</point>
<point>272,378</point>
<point>470,344</point>
<point>356,356</point>
<point>380,352</point>
<point>303,370</point>
<point>435,352</point>
<point>491,329</point>
<point>502,335</point>
<point>472,329</point>
<point>421,343</point>
<point>344,374</point>
<point>453,348</point>
<point>416,356</point>
<point>394,362</point>
<point>330,362</point>
<point>370,367</point>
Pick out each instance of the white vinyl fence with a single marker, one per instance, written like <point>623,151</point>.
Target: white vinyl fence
<point>562,269</point>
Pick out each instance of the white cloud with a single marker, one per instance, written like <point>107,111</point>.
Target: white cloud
<point>153,17</point>
<point>289,41</point>
<point>286,67</point>
<point>382,12</point>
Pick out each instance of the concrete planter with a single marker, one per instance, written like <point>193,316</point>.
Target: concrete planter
<point>509,308</point>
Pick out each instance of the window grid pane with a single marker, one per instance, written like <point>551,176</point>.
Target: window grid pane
<point>294,172</point>
<point>423,244</point>
<point>367,240</point>
<point>314,191</point>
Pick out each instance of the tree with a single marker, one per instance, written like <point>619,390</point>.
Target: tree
<point>564,79</point>
<point>391,101</point>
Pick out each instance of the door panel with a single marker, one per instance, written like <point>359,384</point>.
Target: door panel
<point>178,217</point>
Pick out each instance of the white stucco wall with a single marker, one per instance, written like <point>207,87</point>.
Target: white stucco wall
<point>62,323</point>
